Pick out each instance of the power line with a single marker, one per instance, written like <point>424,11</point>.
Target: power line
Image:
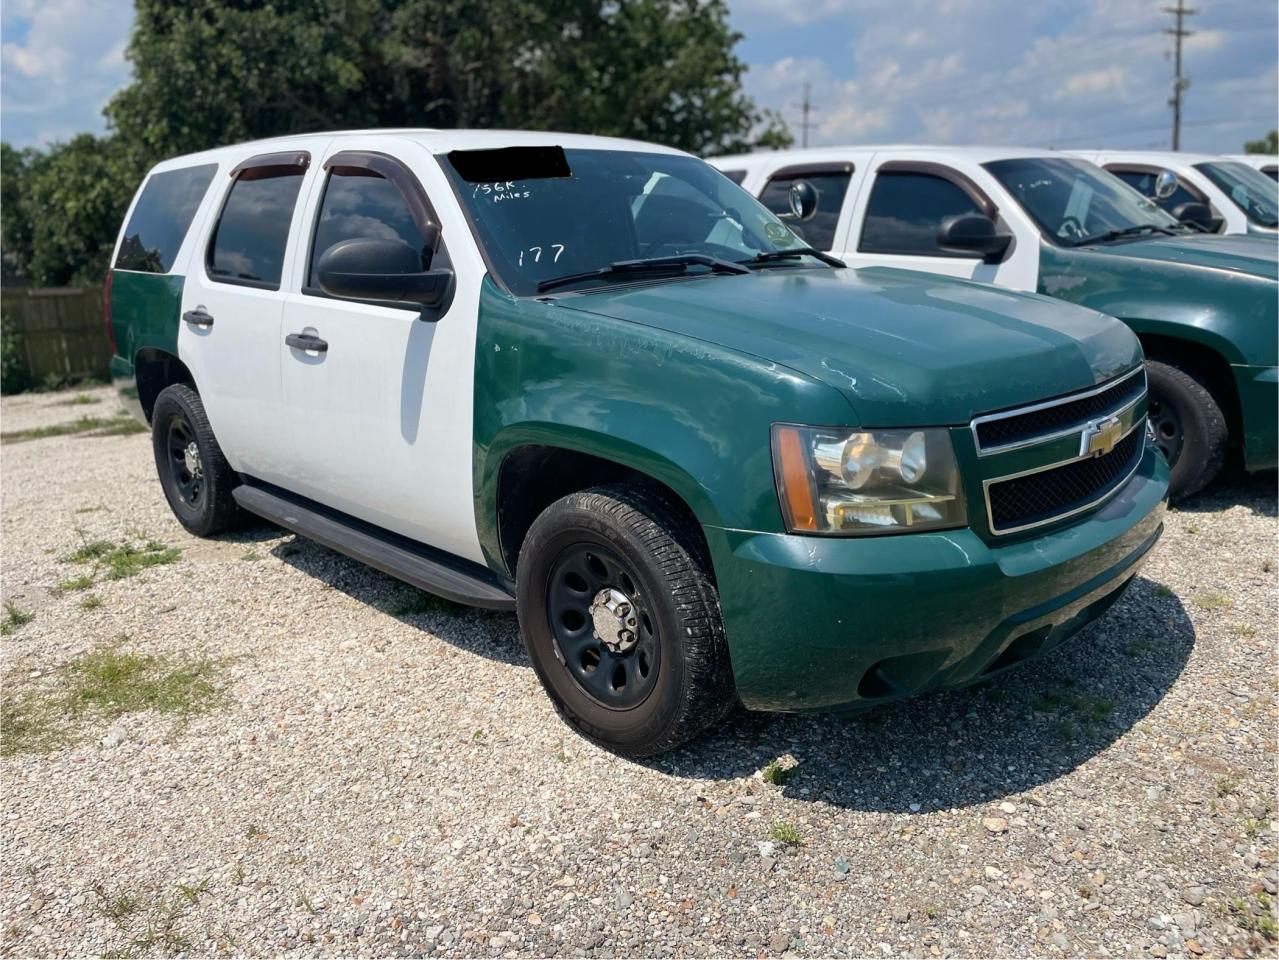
<point>1180,84</point>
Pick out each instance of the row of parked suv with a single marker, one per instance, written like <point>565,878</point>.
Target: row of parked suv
<point>712,449</point>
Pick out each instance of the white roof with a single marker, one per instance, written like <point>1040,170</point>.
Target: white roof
<point>436,141</point>
<point>974,154</point>
<point>1156,158</point>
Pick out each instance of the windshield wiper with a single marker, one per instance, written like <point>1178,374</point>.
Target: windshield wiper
<point>1126,232</point>
<point>794,253</point>
<point>675,264</point>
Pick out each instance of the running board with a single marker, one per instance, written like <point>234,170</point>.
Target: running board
<point>425,568</point>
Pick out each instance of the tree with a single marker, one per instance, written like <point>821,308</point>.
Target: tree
<point>15,225</point>
<point>1268,144</point>
<point>209,73</point>
<point>73,197</point>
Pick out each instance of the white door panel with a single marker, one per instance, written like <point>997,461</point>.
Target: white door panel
<point>381,422</point>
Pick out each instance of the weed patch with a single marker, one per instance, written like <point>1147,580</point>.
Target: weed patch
<point>777,774</point>
<point>116,426</point>
<point>14,618</point>
<point>785,833</point>
<point>119,561</point>
<point>96,689</point>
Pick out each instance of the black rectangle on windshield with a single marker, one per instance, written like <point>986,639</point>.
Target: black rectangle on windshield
<point>511,163</point>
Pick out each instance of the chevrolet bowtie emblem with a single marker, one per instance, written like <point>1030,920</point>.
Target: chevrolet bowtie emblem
<point>1100,437</point>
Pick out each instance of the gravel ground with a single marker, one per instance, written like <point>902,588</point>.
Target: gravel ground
<point>384,775</point>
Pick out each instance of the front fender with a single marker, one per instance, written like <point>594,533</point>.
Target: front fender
<point>693,415</point>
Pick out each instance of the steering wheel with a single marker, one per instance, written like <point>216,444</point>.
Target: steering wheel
<point>1070,227</point>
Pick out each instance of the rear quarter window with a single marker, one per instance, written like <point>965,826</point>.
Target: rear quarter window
<point>161,218</point>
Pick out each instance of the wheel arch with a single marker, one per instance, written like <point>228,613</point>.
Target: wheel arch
<point>534,472</point>
<point>156,369</point>
<point>1206,362</point>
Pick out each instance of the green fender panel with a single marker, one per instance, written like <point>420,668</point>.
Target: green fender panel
<point>693,415</point>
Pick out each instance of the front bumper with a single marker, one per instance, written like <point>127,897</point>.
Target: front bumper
<point>837,623</point>
<point>1258,404</point>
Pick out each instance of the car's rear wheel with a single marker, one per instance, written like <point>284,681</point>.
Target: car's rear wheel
<point>195,476</point>
<point>1189,427</point>
<point>621,619</point>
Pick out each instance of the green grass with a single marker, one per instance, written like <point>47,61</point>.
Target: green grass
<point>91,602</point>
<point>119,561</point>
<point>14,618</point>
<point>81,582</point>
<point>1243,630</point>
<point>777,774</point>
<point>785,833</point>
<point>99,687</point>
<point>79,400</point>
<point>149,921</point>
<point>1258,918</point>
<point>250,556</point>
<point>1213,601</point>
<point>117,426</point>
<point>1225,786</point>
<point>1163,590</point>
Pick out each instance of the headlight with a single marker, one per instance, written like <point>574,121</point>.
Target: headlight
<point>835,481</point>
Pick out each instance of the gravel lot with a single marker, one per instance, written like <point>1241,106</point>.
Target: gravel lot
<point>382,774</point>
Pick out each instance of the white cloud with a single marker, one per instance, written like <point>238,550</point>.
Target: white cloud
<point>66,61</point>
<point>1092,83</point>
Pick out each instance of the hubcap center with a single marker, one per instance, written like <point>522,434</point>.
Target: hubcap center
<point>191,459</point>
<point>614,621</point>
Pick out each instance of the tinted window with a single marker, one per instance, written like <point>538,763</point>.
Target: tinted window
<point>1144,183</point>
<point>362,203</point>
<point>819,231</point>
<point>1248,189</point>
<point>905,211</point>
<point>161,217</point>
<point>249,241</point>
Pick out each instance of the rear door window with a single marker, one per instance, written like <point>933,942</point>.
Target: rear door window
<point>161,218</point>
<point>819,231</point>
<point>251,234</point>
<point>905,211</point>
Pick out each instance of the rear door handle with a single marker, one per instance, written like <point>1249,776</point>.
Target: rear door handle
<point>307,341</point>
<point>199,317</point>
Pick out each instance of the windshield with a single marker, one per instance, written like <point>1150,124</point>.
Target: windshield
<point>607,206</point>
<point>1075,202</point>
<point>1249,189</point>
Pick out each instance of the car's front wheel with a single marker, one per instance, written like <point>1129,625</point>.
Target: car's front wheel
<point>195,476</point>
<point>1189,427</point>
<point>621,619</point>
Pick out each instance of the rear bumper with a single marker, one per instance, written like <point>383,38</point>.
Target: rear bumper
<point>839,623</point>
<point>1259,406</point>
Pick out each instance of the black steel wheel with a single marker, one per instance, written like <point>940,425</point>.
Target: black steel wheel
<point>621,619</point>
<point>195,476</point>
<point>1189,426</point>
<point>604,633</point>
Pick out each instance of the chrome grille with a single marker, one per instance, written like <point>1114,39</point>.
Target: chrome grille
<point>1010,429</point>
<point>1026,501</point>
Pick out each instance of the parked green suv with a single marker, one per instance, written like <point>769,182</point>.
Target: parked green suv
<point>595,382</point>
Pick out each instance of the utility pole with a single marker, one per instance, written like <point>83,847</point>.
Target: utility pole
<point>1179,84</point>
<point>805,108</point>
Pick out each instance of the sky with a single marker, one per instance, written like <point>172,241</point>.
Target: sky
<point>1057,73</point>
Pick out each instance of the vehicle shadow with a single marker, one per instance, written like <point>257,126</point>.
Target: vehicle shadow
<point>486,633</point>
<point>1259,492</point>
<point>1008,735</point>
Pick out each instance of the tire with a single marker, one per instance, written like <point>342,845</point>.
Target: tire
<point>1189,426</point>
<point>202,500</point>
<point>674,668</point>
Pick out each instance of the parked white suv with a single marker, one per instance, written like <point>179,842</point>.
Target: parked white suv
<point>1267,163</point>
<point>1241,198</point>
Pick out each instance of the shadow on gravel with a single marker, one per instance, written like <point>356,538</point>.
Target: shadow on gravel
<point>1255,491</point>
<point>487,633</point>
<point>1011,734</point>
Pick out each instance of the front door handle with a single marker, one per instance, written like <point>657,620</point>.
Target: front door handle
<point>307,341</point>
<point>199,317</point>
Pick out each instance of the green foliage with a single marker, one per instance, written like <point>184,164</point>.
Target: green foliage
<point>14,374</point>
<point>784,832</point>
<point>661,70</point>
<point>14,618</point>
<point>116,426</point>
<point>1268,144</point>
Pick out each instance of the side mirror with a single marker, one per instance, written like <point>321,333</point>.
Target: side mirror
<point>973,233</point>
<point>1198,214</point>
<point>386,270</point>
<point>1165,184</point>
<point>803,200</point>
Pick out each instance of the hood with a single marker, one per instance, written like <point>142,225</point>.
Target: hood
<point>905,348</point>
<point>1254,255</point>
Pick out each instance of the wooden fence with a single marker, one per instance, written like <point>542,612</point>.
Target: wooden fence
<point>60,330</point>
